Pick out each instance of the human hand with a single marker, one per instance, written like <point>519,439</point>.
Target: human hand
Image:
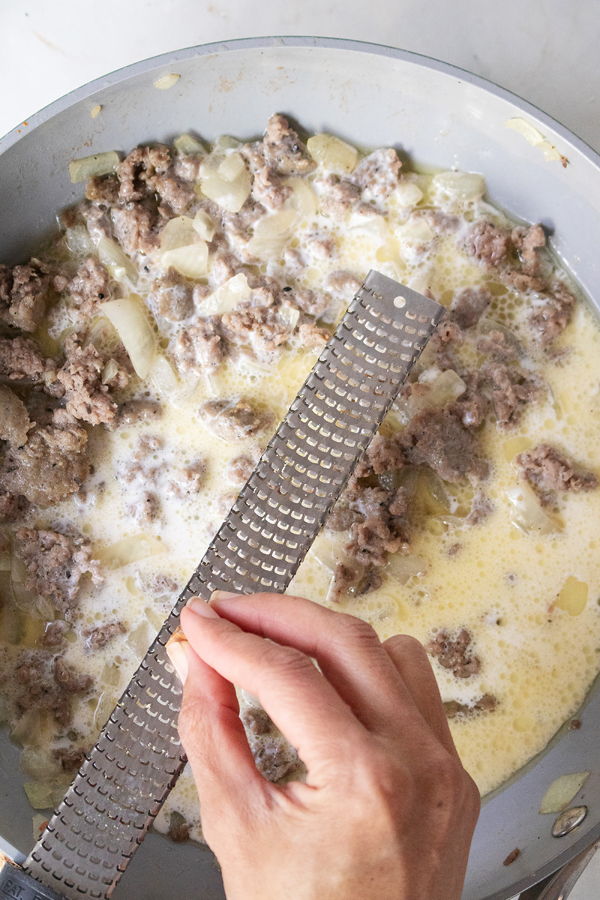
<point>387,810</point>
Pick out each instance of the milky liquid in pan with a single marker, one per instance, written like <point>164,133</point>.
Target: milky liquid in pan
<point>501,583</point>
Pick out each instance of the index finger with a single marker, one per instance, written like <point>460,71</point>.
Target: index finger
<point>302,703</point>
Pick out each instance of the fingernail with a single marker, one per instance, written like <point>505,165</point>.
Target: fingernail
<point>201,608</point>
<point>177,653</point>
<point>217,596</point>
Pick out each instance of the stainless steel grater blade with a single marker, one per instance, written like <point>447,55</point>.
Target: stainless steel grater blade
<point>135,763</point>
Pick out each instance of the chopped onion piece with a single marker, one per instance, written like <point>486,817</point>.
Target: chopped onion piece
<point>131,320</point>
<point>332,153</point>
<point>95,111</point>
<point>460,187</point>
<point>38,823</point>
<point>190,261</point>
<point>403,568</point>
<point>163,377</point>
<point>536,139</point>
<point>178,232</point>
<point>140,638</point>
<point>230,195</point>
<point>227,297</point>
<point>116,261</point>
<point>129,549</point>
<point>204,225</point>
<point>289,315</point>
<point>89,166</point>
<point>232,167</point>
<point>40,794</point>
<point>78,240</point>
<point>408,194</point>
<point>106,703</point>
<point>166,81</point>
<point>573,596</point>
<point>188,145</point>
<point>562,791</point>
<point>272,232</point>
<point>328,549</point>
<point>528,514</point>
<point>434,390</point>
<point>418,231</point>
<point>226,142</point>
<point>302,198</point>
<point>109,371</point>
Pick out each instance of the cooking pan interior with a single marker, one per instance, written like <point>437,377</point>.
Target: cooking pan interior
<point>439,116</point>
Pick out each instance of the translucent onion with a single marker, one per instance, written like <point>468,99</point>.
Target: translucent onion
<point>109,371</point>
<point>190,261</point>
<point>331,153</point>
<point>573,596</point>
<point>166,81</point>
<point>188,145</point>
<point>460,187</point>
<point>116,261</point>
<point>78,240</point>
<point>408,194</point>
<point>562,791</point>
<point>228,194</point>
<point>272,232</point>
<point>204,225</point>
<point>163,377</point>
<point>132,548</point>
<point>302,199</point>
<point>178,232</point>
<point>232,167</point>
<point>528,514</point>
<point>41,794</point>
<point>89,166</point>
<point>227,297</point>
<point>131,320</point>
<point>403,568</point>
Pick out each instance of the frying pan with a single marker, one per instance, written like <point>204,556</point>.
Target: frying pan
<point>372,96</point>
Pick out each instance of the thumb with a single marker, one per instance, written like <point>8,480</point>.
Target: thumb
<point>213,738</point>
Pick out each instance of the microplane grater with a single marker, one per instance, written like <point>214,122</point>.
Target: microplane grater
<point>121,787</point>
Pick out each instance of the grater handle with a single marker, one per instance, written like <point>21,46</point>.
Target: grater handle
<point>15,884</point>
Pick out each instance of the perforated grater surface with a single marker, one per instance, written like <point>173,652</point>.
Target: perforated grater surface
<point>122,786</point>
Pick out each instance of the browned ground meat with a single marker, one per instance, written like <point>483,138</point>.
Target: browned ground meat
<point>342,285</point>
<point>21,359</point>
<point>310,302</point>
<point>527,242</point>
<point>469,305</point>
<point>439,439</point>
<point>488,243</point>
<point>96,638</point>
<point>233,418</point>
<point>262,328</point>
<point>55,633</point>
<point>139,411</point>
<point>138,172</point>
<point>45,682</point>
<point>50,466</point>
<point>499,346</point>
<point>179,830</point>
<point>135,227</point>
<point>509,390</point>
<point>377,175</point>
<point>239,469</point>
<point>103,189</point>
<point>87,398</point>
<point>548,471</point>
<point>338,196</point>
<point>189,481</point>
<point>88,287</point>
<point>268,187</point>
<point>481,507</point>
<point>11,505</point>
<point>552,317</point>
<point>454,651</point>
<point>275,760</point>
<point>14,419</point>
<point>200,346</point>
<point>70,758</point>
<point>386,454</point>
<point>283,149</point>
<point>310,336</point>
<point>56,564</point>
<point>454,709</point>
<point>23,295</point>
<point>256,720</point>
<point>172,296</point>
<point>97,220</point>
<point>383,528</point>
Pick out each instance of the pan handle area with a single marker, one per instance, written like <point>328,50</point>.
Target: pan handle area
<point>560,885</point>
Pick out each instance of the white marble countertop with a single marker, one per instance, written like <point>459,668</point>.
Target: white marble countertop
<point>544,50</point>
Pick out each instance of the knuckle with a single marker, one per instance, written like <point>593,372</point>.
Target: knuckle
<point>286,659</point>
